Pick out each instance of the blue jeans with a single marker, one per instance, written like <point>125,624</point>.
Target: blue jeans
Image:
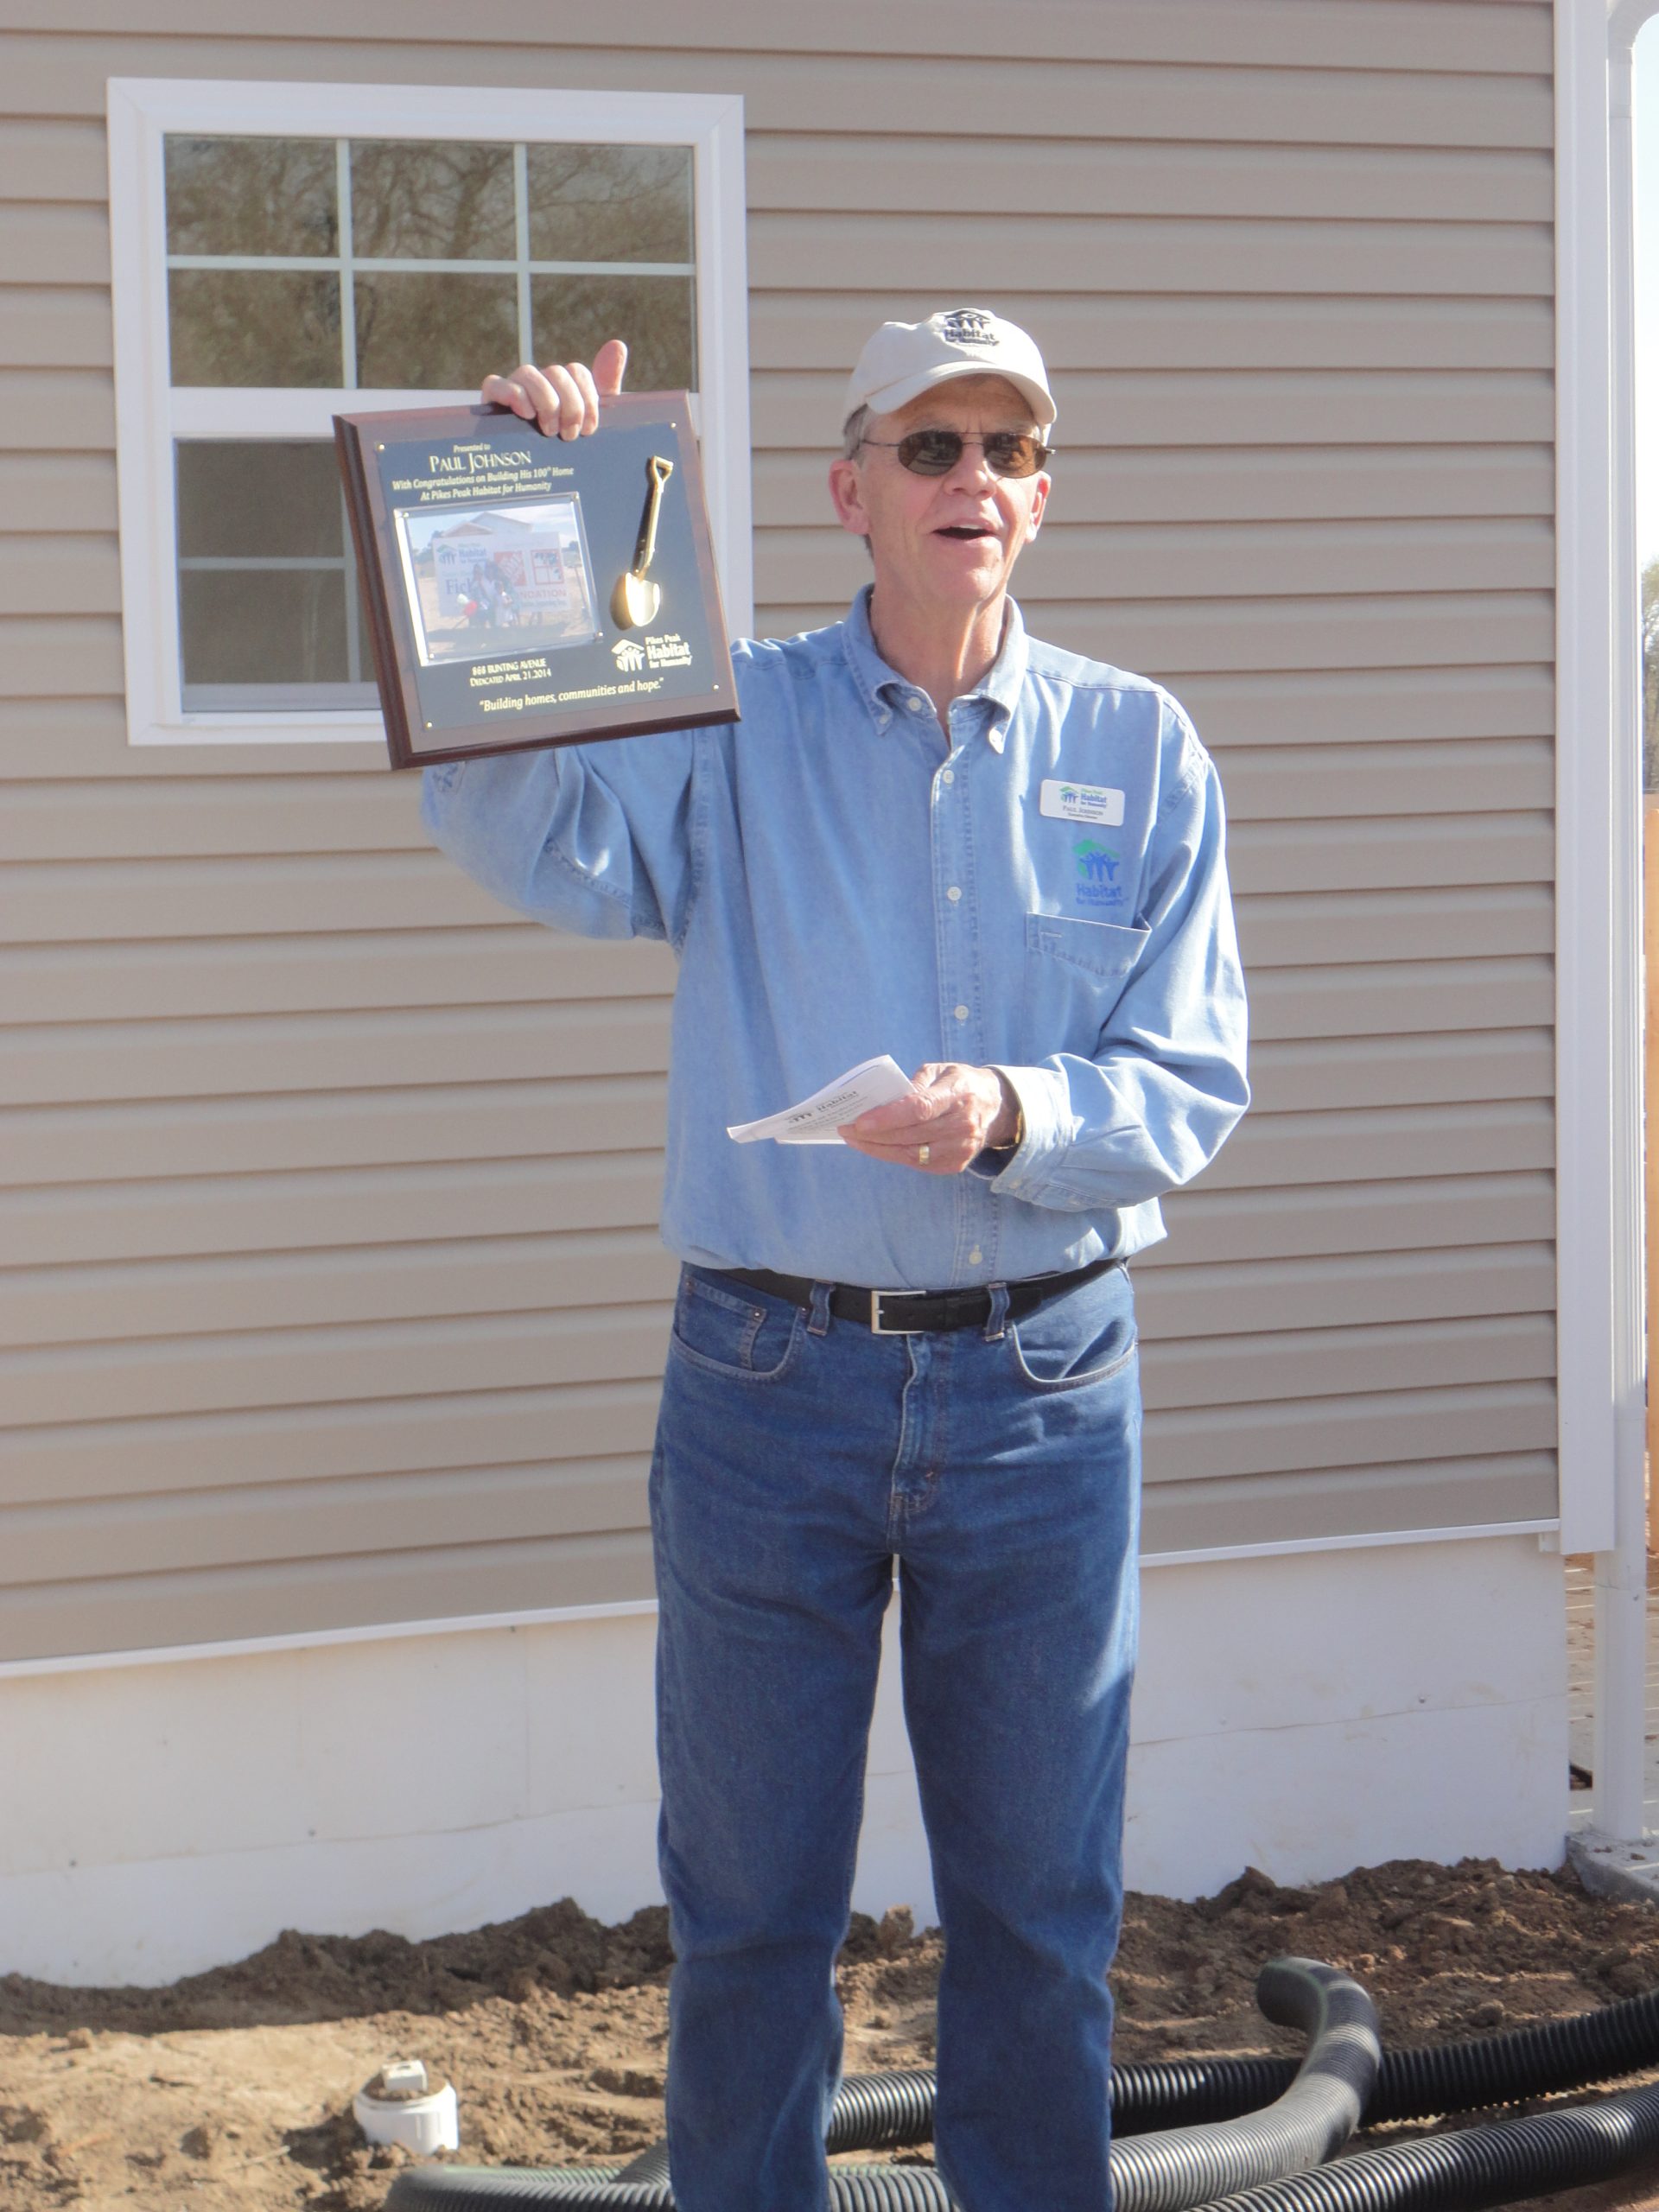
<point>797,1457</point>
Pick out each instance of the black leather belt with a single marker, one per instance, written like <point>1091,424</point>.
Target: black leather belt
<point>908,1312</point>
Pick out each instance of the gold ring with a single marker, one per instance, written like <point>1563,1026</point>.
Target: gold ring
<point>924,1154</point>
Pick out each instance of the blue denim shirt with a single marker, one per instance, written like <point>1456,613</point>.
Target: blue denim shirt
<point>838,882</point>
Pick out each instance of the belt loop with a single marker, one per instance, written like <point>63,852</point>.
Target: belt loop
<point>996,1320</point>
<point>818,1325</point>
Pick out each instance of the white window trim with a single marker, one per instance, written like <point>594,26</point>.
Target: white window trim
<point>150,414</point>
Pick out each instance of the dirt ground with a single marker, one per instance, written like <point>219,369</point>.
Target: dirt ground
<point>233,2089</point>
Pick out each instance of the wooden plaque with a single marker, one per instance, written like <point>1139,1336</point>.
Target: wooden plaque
<point>524,590</point>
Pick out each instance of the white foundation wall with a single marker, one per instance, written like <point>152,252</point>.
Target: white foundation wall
<point>1305,1713</point>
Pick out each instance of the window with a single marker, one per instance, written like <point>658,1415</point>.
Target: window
<point>283,253</point>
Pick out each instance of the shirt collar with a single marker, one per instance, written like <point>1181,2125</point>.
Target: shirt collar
<point>886,692</point>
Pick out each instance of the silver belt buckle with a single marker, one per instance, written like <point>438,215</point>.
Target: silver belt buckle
<point>878,1327</point>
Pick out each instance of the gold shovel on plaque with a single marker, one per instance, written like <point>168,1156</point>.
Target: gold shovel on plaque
<point>636,598</point>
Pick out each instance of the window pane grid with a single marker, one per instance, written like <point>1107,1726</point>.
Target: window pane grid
<point>347,286</point>
<point>258,561</point>
<point>405,267</point>
<point>394,220</point>
<point>355,671</point>
<point>521,242</point>
<point>346,266</point>
<point>242,703</point>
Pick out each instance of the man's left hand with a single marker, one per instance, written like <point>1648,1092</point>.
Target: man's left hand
<point>961,1111</point>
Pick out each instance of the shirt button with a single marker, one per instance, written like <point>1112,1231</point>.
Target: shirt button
<point>974,1256</point>
<point>947,775</point>
<point>954,894</point>
<point>960,1013</point>
<point>916,703</point>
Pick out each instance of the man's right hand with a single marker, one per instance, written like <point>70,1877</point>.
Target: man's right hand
<point>562,400</point>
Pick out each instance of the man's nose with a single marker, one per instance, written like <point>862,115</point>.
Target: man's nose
<point>970,466</point>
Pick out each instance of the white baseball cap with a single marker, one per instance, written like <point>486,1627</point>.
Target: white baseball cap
<point>903,360</point>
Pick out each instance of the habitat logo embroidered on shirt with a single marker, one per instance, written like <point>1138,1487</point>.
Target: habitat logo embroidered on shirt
<point>1097,867</point>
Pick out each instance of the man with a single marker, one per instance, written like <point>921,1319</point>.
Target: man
<point>932,836</point>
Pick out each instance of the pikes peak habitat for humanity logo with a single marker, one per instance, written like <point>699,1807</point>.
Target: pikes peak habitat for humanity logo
<point>968,326</point>
<point>629,656</point>
<point>1097,867</point>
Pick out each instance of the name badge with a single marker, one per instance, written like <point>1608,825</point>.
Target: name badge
<point>1082,802</point>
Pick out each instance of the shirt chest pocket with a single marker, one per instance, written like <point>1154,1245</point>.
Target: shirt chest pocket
<point>1103,951</point>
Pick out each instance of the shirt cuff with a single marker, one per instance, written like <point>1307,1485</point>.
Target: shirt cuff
<point>1043,1114</point>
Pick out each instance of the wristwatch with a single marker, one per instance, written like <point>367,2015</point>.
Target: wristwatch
<point>1019,1137</point>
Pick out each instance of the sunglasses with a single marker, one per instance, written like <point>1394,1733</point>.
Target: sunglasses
<point>935,453</point>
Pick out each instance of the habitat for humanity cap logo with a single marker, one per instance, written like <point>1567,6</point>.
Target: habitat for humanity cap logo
<point>628,656</point>
<point>967,326</point>
<point>1097,867</point>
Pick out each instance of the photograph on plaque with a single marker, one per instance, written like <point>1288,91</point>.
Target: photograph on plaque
<point>481,582</point>
<point>524,590</point>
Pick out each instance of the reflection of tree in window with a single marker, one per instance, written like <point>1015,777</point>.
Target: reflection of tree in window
<point>432,332</point>
<point>431,199</point>
<point>254,327</point>
<point>436,200</point>
<point>250,195</point>
<point>572,316</point>
<point>618,204</point>
<point>610,203</point>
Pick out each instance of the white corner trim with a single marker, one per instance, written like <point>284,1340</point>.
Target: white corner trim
<point>1598,1212</point>
<point>1600,1196</point>
<point>150,414</point>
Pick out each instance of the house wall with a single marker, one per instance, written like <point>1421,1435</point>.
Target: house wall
<point>327,1189</point>
<point>327,1219</point>
<point>1303,1714</point>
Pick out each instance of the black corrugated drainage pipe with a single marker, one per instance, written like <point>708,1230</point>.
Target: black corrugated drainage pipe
<point>1168,2172</point>
<point>1509,2161</point>
<point>1420,2082</point>
<point>881,2110</point>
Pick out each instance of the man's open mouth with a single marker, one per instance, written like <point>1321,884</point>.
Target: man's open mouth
<point>963,530</point>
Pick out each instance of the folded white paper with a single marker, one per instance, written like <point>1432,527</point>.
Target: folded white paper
<point>817,1119</point>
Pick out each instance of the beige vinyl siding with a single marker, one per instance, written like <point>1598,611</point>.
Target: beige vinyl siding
<point>329,1285</point>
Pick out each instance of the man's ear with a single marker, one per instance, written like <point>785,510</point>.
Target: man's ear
<point>848,496</point>
<point>1038,500</point>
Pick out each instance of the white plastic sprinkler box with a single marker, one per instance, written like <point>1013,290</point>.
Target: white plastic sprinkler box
<point>397,2106</point>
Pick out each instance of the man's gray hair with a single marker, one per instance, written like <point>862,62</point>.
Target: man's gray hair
<point>853,433</point>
